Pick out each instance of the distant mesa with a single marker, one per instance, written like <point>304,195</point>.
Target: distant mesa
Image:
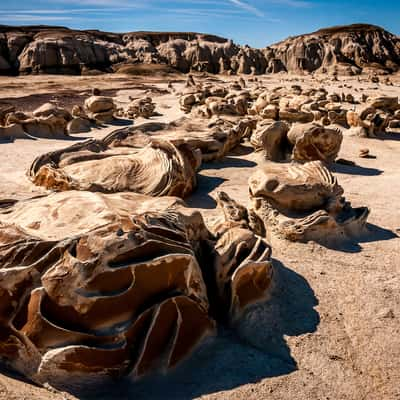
<point>344,50</point>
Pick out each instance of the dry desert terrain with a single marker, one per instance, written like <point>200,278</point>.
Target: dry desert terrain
<point>331,329</point>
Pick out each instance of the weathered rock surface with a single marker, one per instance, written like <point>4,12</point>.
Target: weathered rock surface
<point>214,140</point>
<point>302,202</point>
<point>47,121</point>
<point>100,108</point>
<point>100,285</point>
<point>378,115</point>
<point>242,265</point>
<point>157,169</point>
<point>314,142</point>
<point>343,50</point>
<point>143,107</point>
<point>103,285</point>
<point>302,142</point>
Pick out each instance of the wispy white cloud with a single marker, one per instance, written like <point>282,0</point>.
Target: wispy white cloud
<point>33,18</point>
<point>91,10</point>
<point>292,3</point>
<point>64,11</point>
<point>103,3</point>
<point>247,7</point>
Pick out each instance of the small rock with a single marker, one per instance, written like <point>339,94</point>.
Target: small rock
<point>363,153</point>
<point>386,313</point>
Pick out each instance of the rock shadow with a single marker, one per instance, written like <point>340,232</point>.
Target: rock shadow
<point>121,122</point>
<point>371,233</point>
<point>355,170</point>
<point>201,197</point>
<point>393,136</point>
<point>252,350</point>
<point>228,162</point>
<point>290,311</point>
<point>241,150</point>
<point>376,234</point>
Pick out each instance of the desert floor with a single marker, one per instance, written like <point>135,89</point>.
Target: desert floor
<point>333,329</point>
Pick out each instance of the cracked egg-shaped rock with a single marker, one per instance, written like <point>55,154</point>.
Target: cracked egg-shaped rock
<point>213,139</point>
<point>119,293</point>
<point>314,142</point>
<point>158,168</point>
<point>300,142</point>
<point>302,202</point>
<point>271,137</point>
<point>47,121</point>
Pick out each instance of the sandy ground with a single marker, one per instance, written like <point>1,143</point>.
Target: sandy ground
<point>331,331</point>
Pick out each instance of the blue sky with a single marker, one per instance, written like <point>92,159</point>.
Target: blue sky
<point>255,22</point>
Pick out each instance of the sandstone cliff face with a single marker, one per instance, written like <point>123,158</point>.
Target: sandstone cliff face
<point>346,49</point>
<point>343,50</point>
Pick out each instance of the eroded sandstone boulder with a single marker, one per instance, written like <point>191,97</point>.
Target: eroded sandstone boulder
<point>143,107</point>
<point>159,168</point>
<point>242,264</point>
<point>314,142</point>
<point>106,288</point>
<point>100,108</point>
<point>214,139</point>
<point>300,142</point>
<point>271,137</point>
<point>47,121</point>
<point>103,285</point>
<point>374,117</point>
<point>302,202</point>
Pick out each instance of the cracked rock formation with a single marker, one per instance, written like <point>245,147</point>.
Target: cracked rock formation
<point>158,168</point>
<point>124,284</point>
<point>302,202</point>
<point>300,142</point>
<point>242,266</point>
<point>47,121</point>
<point>110,288</point>
<point>143,107</point>
<point>377,116</point>
<point>213,140</point>
<point>314,142</point>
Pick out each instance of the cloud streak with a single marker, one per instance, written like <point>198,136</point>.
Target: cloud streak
<point>104,3</point>
<point>292,3</point>
<point>33,17</point>
<point>247,7</point>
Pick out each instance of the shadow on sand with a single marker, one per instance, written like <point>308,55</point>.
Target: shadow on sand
<point>252,350</point>
<point>206,184</point>
<point>241,150</point>
<point>201,197</point>
<point>228,162</point>
<point>373,233</point>
<point>355,170</point>
<point>121,122</point>
<point>377,234</point>
<point>394,136</point>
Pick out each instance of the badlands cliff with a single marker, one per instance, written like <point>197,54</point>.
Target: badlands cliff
<point>344,50</point>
